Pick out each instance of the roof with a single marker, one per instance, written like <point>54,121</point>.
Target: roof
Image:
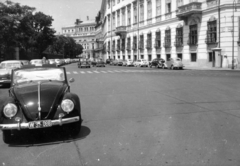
<point>88,22</point>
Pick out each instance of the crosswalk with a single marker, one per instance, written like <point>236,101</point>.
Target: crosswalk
<point>174,72</point>
<point>115,71</point>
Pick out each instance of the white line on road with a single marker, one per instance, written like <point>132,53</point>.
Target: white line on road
<point>89,71</point>
<point>103,72</point>
<point>95,71</point>
<point>82,72</point>
<point>74,72</point>
<point>110,71</point>
<point>68,72</point>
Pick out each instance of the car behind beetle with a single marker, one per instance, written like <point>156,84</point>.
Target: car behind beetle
<point>40,98</point>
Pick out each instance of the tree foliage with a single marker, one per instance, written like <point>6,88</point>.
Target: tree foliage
<point>65,46</point>
<point>23,27</point>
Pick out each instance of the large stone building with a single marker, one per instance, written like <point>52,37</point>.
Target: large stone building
<point>84,33</point>
<point>189,29</point>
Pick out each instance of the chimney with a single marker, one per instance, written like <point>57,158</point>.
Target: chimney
<point>87,18</point>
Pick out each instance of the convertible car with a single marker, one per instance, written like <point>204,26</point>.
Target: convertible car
<point>40,98</point>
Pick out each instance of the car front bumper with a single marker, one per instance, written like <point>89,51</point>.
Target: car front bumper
<point>25,125</point>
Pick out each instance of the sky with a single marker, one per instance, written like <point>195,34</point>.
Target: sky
<point>64,12</point>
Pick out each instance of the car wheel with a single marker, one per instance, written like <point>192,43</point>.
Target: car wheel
<point>172,67</point>
<point>7,137</point>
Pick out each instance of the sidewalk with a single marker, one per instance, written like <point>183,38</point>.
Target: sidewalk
<point>210,68</point>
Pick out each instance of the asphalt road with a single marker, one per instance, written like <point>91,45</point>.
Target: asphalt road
<point>142,116</point>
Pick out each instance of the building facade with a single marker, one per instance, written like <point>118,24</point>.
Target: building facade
<point>189,29</point>
<point>83,33</point>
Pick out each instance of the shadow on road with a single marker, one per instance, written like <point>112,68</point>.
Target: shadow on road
<point>47,137</point>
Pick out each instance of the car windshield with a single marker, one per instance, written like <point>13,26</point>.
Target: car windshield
<point>10,65</point>
<point>38,74</point>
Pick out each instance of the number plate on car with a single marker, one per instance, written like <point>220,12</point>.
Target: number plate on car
<point>40,124</point>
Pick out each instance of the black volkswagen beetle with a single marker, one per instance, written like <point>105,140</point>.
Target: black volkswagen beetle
<point>40,98</point>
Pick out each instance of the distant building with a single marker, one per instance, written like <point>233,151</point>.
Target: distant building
<point>84,33</point>
<point>198,31</point>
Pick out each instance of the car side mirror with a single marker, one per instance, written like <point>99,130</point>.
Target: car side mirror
<point>71,80</point>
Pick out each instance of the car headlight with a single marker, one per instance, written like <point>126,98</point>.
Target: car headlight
<point>67,105</point>
<point>10,110</point>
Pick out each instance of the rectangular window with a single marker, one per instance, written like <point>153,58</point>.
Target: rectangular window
<point>113,46</point>
<point>149,57</point>
<point>179,37</point>
<point>158,56</point>
<point>118,18</point>
<point>158,7</point>
<point>149,9</point>
<point>158,39</point>
<point>168,7</point>
<point>123,44</point>
<point>141,12</point>
<point>193,40</point>
<point>129,56</point>
<point>141,44</point>
<point>129,15</point>
<point>109,23</point>
<point>113,19</point>
<point>135,15</point>
<point>149,41</point>
<point>168,56</point>
<point>193,57</point>
<point>142,56</point>
<point>211,32</point>
<point>118,45</point>
<point>179,56</point>
<point>210,57</point>
<point>129,43</point>
<point>123,17</point>
<point>118,57</point>
<point>168,38</point>
<point>134,43</point>
<point>123,57</point>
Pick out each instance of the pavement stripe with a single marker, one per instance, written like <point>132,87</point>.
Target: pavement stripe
<point>117,71</point>
<point>89,72</point>
<point>74,72</point>
<point>103,72</point>
<point>82,72</point>
<point>110,71</point>
<point>95,71</point>
<point>68,72</point>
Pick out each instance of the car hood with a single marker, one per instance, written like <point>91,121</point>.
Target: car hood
<point>50,93</point>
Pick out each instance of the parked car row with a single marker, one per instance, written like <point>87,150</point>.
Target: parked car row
<point>171,63</point>
<point>88,64</point>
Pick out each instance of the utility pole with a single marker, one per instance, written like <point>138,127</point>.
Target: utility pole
<point>138,38</point>
<point>111,30</point>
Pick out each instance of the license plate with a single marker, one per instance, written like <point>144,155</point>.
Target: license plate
<point>40,124</point>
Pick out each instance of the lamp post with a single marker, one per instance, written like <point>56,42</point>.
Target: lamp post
<point>234,8</point>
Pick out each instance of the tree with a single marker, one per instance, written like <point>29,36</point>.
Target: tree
<point>11,15</point>
<point>42,34</point>
<point>19,26</point>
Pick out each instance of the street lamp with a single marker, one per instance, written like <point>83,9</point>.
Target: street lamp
<point>234,9</point>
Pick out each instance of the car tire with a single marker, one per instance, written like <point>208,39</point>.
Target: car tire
<point>172,67</point>
<point>7,137</point>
